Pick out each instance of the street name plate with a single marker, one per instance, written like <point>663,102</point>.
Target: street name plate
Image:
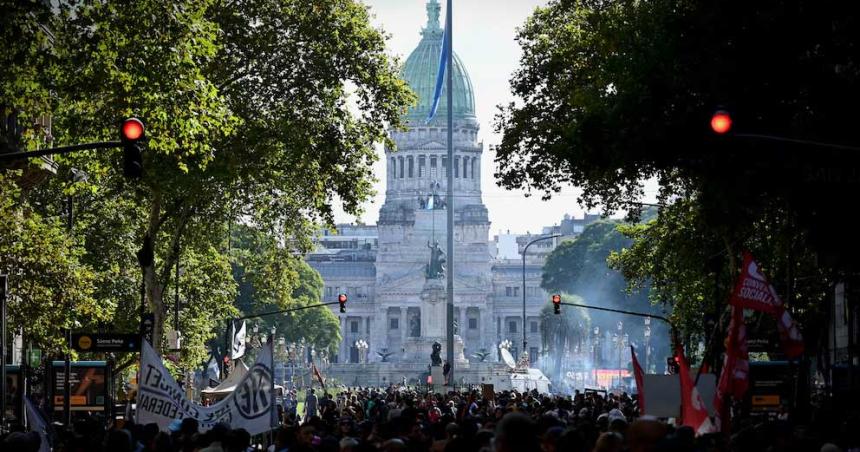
<point>84,342</point>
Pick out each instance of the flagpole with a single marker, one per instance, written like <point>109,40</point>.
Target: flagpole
<point>450,210</point>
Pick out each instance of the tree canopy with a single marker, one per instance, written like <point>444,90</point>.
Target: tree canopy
<point>609,94</point>
<point>263,112</point>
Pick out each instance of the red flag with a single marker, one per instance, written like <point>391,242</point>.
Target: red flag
<point>318,375</point>
<point>734,378</point>
<point>640,377</point>
<point>693,411</point>
<point>753,291</point>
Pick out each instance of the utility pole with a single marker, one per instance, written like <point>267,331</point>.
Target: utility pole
<point>4,287</point>
<point>450,205</point>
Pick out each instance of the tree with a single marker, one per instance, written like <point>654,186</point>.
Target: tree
<point>272,278</point>
<point>613,93</point>
<point>50,289</point>
<point>242,100</point>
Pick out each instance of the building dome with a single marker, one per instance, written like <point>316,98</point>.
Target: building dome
<point>421,69</point>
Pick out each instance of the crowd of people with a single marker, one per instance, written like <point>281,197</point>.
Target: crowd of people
<point>402,419</point>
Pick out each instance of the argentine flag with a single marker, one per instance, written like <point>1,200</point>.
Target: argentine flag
<point>443,64</point>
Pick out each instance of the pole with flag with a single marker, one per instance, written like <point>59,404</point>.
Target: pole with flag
<point>446,64</point>
<point>640,381</point>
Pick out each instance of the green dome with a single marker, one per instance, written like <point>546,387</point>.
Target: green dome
<point>421,69</point>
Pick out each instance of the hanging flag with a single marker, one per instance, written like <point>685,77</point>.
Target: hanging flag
<point>753,291</point>
<point>694,414</point>
<point>640,381</point>
<point>734,379</point>
<point>238,348</point>
<point>318,375</point>
<point>213,371</point>
<point>36,423</point>
<point>251,404</point>
<point>443,64</point>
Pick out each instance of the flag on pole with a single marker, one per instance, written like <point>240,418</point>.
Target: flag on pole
<point>734,379</point>
<point>753,291</point>
<point>238,347</point>
<point>36,423</point>
<point>694,414</point>
<point>443,65</point>
<point>212,370</point>
<point>640,381</point>
<point>318,375</point>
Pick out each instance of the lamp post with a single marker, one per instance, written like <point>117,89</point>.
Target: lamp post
<point>647,333</point>
<point>362,347</point>
<point>525,250</point>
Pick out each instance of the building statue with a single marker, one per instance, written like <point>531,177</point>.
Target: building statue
<point>436,267</point>
<point>436,356</point>
<point>414,326</point>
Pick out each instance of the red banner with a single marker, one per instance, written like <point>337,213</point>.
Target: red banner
<point>734,378</point>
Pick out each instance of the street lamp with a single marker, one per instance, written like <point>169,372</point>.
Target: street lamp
<point>525,250</point>
<point>362,347</point>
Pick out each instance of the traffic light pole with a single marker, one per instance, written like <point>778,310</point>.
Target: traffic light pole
<point>12,156</point>
<point>620,311</point>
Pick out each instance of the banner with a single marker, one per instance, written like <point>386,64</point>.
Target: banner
<point>36,423</point>
<point>238,348</point>
<point>251,405</point>
<point>212,372</point>
<point>734,378</point>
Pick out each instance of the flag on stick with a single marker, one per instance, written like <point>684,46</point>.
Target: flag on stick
<point>753,291</point>
<point>734,378</point>
<point>640,378</point>
<point>693,411</point>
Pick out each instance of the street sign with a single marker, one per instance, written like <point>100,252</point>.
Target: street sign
<point>86,342</point>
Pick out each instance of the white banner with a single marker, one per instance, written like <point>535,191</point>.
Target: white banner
<point>251,404</point>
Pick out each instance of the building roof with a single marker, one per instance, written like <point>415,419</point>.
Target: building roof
<point>422,67</point>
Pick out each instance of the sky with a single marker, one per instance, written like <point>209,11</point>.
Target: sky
<point>484,32</point>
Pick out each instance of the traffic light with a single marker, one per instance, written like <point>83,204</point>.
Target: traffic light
<point>342,300</point>
<point>131,134</point>
<point>673,365</point>
<point>556,304</point>
<point>721,122</point>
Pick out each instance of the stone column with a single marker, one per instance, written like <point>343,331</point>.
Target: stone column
<point>404,318</point>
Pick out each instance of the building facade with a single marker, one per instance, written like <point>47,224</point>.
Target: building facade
<point>394,305</point>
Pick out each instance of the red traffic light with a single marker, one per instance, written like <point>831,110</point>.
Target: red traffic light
<point>341,298</point>
<point>556,299</point>
<point>132,129</point>
<point>721,122</point>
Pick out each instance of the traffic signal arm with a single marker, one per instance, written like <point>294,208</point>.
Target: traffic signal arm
<point>60,150</point>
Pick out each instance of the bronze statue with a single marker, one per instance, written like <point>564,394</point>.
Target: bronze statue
<point>435,357</point>
<point>436,267</point>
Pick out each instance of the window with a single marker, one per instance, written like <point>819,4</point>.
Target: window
<point>392,171</point>
<point>444,167</point>
<point>411,169</point>
<point>509,291</point>
<point>400,163</point>
<point>516,291</point>
<point>393,323</point>
<point>512,326</point>
<point>475,168</point>
<point>353,326</point>
<point>433,172</point>
<point>533,326</point>
<point>422,166</point>
<point>473,324</point>
<point>328,292</point>
<point>465,170</point>
<point>456,167</point>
